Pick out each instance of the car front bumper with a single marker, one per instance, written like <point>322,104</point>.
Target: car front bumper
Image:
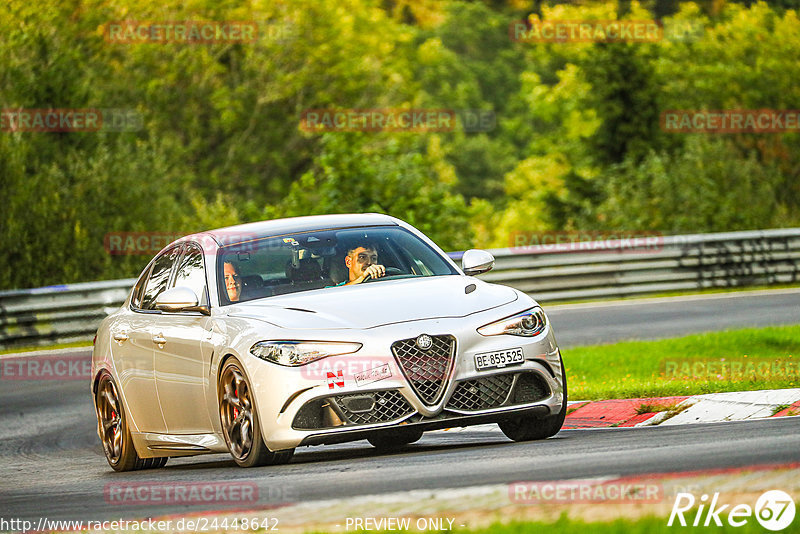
<point>329,401</point>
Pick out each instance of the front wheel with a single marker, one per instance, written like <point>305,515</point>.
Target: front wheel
<point>237,411</point>
<point>529,428</point>
<point>114,432</point>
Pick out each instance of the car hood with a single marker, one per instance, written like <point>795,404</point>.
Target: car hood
<point>377,303</point>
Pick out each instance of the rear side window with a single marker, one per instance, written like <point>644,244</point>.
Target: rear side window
<point>159,278</point>
<point>192,274</point>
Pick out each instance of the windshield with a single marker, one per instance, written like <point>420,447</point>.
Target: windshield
<point>317,259</point>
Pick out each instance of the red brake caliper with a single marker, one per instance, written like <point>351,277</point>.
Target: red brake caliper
<point>236,410</point>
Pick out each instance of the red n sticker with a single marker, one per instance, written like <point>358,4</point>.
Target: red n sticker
<point>335,379</point>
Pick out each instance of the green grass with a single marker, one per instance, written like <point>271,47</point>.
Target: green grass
<point>650,525</point>
<point>655,408</point>
<point>766,358</point>
<point>780,408</point>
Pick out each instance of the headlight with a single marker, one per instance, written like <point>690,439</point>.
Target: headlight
<point>528,324</point>
<point>294,353</point>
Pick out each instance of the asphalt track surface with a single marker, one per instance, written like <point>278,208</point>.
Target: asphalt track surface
<point>592,323</point>
<point>51,461</point>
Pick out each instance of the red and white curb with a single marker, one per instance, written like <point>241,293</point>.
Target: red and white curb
<point>709,408</point>
<point>737,406</point>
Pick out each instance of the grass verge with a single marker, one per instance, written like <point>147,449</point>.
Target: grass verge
<point>565,525</point>
<point>649,525</point>
<point>733,360</point>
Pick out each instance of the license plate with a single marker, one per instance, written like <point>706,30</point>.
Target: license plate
<point>498,359</point>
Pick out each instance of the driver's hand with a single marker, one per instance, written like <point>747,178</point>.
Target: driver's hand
<point>374,271</point>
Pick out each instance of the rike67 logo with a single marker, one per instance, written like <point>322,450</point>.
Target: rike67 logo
<point>774,510</point>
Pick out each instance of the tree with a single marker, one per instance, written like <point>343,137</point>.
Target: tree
<point>386,175</point>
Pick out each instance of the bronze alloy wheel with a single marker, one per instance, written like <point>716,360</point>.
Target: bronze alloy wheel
<point>110,418</point>
<point>237,413</point>
<point>114,432</point>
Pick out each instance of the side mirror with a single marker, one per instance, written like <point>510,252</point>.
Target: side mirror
<point>180,299</point>
<point>475,261</point>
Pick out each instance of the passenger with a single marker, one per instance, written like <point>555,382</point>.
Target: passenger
<point>362,263</point>
<point>233,282</point>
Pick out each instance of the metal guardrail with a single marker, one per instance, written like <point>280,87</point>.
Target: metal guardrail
<point>550,273</point>
<point>598,270</point>
<point>58,314</point>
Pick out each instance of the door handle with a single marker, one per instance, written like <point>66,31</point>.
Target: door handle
<point>159,339</point>
<point>119,337</point>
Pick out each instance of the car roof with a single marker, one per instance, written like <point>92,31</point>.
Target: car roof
<point>258,230</point>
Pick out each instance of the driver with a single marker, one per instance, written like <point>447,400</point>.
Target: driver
<point>362,263</point>
<point>233,282</point>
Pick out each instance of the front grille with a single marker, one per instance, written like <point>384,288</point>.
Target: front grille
<point>352,409</point>
<point>481,393</point>
<point>426,370</point>
<point>498,390</point>
<point>385,406</point>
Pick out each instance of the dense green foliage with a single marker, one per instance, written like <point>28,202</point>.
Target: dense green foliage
<point>577,143</point>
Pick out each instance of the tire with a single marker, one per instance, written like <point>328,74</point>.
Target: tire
<point>115,434</point>
<point>239,420</point>
<point>531,428</point>
<point>395,440</point>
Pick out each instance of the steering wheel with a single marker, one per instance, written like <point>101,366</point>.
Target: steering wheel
<point>390,271</point>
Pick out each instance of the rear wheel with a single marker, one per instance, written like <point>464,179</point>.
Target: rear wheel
<point>529,428</point>
<point>237,411</point>
<point>114,432</point>
<point>395,440</point>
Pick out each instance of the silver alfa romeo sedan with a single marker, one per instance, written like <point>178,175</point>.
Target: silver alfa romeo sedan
<point>263,337</point>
